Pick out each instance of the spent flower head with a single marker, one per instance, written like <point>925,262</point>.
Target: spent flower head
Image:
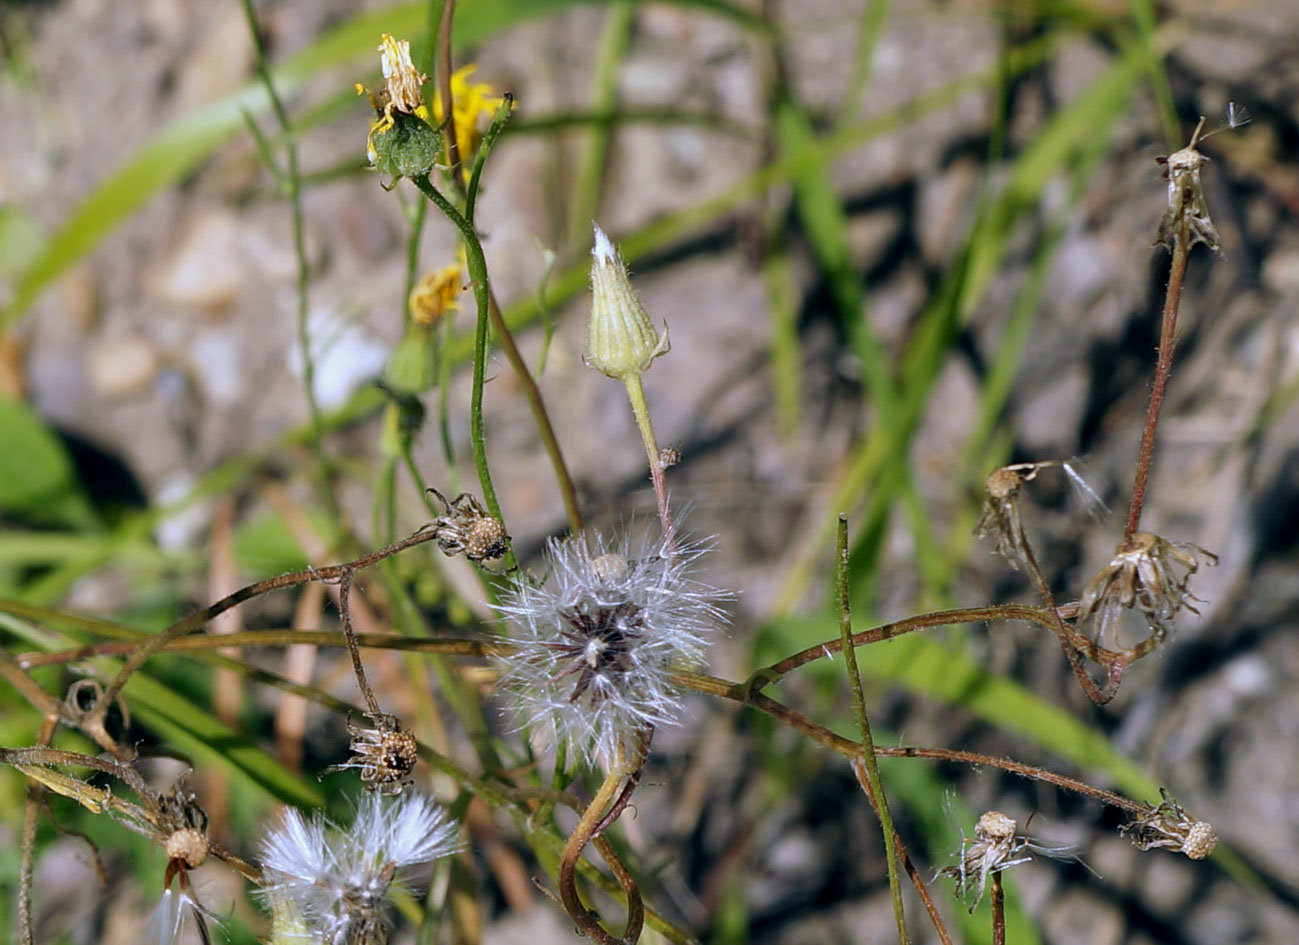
<point>401,142</point>
<point>1000,517</point>
<point>385,753</point>
<point>596,645</point>
<point>621,339</point>
<point>997,846</point>
<point>1169,827</point>
<point>1149,574</point>
<point>334,882</point>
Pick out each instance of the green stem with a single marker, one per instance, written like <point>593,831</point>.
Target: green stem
<point>478,274</point>
<point>864,726</point>
<point>640,407</point>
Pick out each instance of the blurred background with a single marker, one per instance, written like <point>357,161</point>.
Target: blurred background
<point>897,245</point>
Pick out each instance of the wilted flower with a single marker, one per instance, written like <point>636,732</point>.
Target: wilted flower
<point>469,102</point>
<point>996,846</point>
<point>1147,573</point>
<point>401,143</point>
<point>1000,517</point>
<point>620,337</point>
<point>1169,827</point>
<point>385,754</point>
<point>597,644</point>
<point>333,882</point>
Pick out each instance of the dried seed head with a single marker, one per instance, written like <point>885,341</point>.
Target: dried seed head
<point>486,539</point>
<point>385,754</point>
<point>467,529</point>
<point>996,846</point>
<point>1186,205</point>
<point>1148,574</point>
<point>1000,518</point>
<point>189,845</point>
<point>401,143</point>
<point>995,827</point>
<point>620,339</point>
<point>596,646</point>
<point>1169,827</point>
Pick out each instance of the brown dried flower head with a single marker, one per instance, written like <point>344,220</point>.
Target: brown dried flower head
<point>1000,518</point>
<point>385,754</point>
<point>1169,827</point>
<point>996,846</point>
<point>183,825</point>
<point>1149,574</point>
<point>466,528</point>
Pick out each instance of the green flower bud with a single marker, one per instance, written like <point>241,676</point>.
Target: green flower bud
<point>621,339</point>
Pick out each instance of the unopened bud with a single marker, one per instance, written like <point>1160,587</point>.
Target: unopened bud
<point>621,339</point>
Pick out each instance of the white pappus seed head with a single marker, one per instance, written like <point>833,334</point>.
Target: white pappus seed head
<point>595,647</point>
<point>334,881</point>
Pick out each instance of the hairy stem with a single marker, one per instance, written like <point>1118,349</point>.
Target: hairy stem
<point>880,800</point>
<point>640,407</point>
<point>478,273</point>
<point>1163,370</point>
<point>998,910</point>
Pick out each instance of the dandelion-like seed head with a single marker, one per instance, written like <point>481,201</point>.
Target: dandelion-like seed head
<point>334,882</point>
<point>596,645</point>
<point>1168,826</point>
<point>1148,574</point>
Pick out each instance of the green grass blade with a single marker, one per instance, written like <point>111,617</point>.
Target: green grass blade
<point>189,728</point>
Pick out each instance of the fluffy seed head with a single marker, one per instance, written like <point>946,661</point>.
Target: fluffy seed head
<point>335,881</point>
<point>595,646</point>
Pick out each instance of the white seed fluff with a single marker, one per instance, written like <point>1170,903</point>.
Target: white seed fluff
<point>596,645</point>
<point>335,880</point>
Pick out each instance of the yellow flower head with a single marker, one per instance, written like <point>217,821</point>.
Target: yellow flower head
<point>437,294</point>
<point>469,101</point>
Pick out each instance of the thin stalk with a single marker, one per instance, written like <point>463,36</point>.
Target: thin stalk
<point>142,653</point>
<point>444,91</point>
<point>1163,370</point>
<point>576,843</point>
<point>31,807</point>
<point>532,393</point>
<point>938,618</point>
<point>864,726</point>
<point>917,881</point>
<point>998,910</point>
<point>291,181</point>
<point>478,273</point>
<point>349,636</point>
<point>640,407</point>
